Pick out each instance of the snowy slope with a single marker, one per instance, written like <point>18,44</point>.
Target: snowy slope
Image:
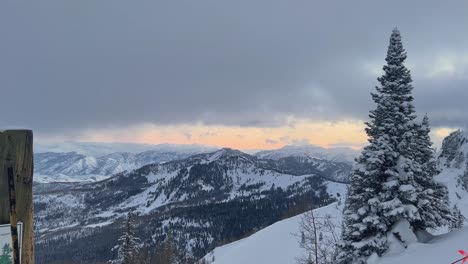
<point>453,164</point>
<point>441,249</point>
<point>276,244</point>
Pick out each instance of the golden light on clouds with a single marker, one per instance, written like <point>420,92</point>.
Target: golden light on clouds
<point>438,134</point>
<point>326,134</point>
<point>443,132</point>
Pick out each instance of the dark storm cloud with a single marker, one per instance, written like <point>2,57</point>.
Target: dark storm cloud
<point>93,64</point>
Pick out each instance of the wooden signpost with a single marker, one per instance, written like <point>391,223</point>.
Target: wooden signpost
<point>16,179</point>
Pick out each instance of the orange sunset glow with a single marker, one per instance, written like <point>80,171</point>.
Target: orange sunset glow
<point>322,133</point>
<point>326,134</point>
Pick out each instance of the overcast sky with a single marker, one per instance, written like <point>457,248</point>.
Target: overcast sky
<point>119,70</point>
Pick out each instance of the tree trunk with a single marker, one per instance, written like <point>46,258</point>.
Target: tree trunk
<point>16,153</point>
<point>315,237</point>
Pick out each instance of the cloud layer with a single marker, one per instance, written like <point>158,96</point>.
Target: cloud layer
<point>71,66</point>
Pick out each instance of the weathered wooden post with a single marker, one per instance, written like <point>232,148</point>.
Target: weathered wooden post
<point>16,161</point>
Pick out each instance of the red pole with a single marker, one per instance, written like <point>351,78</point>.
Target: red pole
<point>464,258</point>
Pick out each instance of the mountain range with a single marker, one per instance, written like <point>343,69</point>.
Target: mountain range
<point>204,200</point>
<point>72,166</point>
<point>86,163</point>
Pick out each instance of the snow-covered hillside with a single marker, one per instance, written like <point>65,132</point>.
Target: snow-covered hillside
<point>230,174</point>
<point>453,163</point>
<point>277,243</point>
<point>227,171</point>
<point>331,154</point>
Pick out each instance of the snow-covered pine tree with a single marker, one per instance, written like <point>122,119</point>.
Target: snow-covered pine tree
<point>383,190</point>
<point>463,179</point>
<point>363,231</point>
<point>458,219</point>
<point>128,242</point>
<point>433,203</point>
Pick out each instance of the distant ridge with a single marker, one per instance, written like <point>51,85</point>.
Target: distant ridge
<point>341,154</point>
<point>97,149</point>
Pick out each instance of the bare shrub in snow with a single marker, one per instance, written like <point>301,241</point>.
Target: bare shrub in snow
<point>318,239</point>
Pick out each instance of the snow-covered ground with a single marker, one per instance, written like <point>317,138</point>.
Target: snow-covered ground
<point>276,244</point>
<point>441,249</point>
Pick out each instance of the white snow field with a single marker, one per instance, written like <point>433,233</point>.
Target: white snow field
<point>441,249</point>
<point>277,244</point>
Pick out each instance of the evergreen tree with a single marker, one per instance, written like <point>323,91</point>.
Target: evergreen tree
<point>128,242</point>
<point>433,202</point>
<point>362,214</point>
<point>463,179</point>
<point>457,220</point>
<point>389,182</point>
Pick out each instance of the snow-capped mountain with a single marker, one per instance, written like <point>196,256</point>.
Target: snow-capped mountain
<point>205,200</point>
<point>312,151</point>
<point>72,166</point>
<point>453,151</point>
<point>98,149</point>
<point>453,163</point>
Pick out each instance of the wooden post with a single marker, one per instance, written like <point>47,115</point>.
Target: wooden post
<point>13,219</point>
<point>16,159</point>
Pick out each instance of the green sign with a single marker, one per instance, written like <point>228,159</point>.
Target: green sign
<point>6,254</point>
